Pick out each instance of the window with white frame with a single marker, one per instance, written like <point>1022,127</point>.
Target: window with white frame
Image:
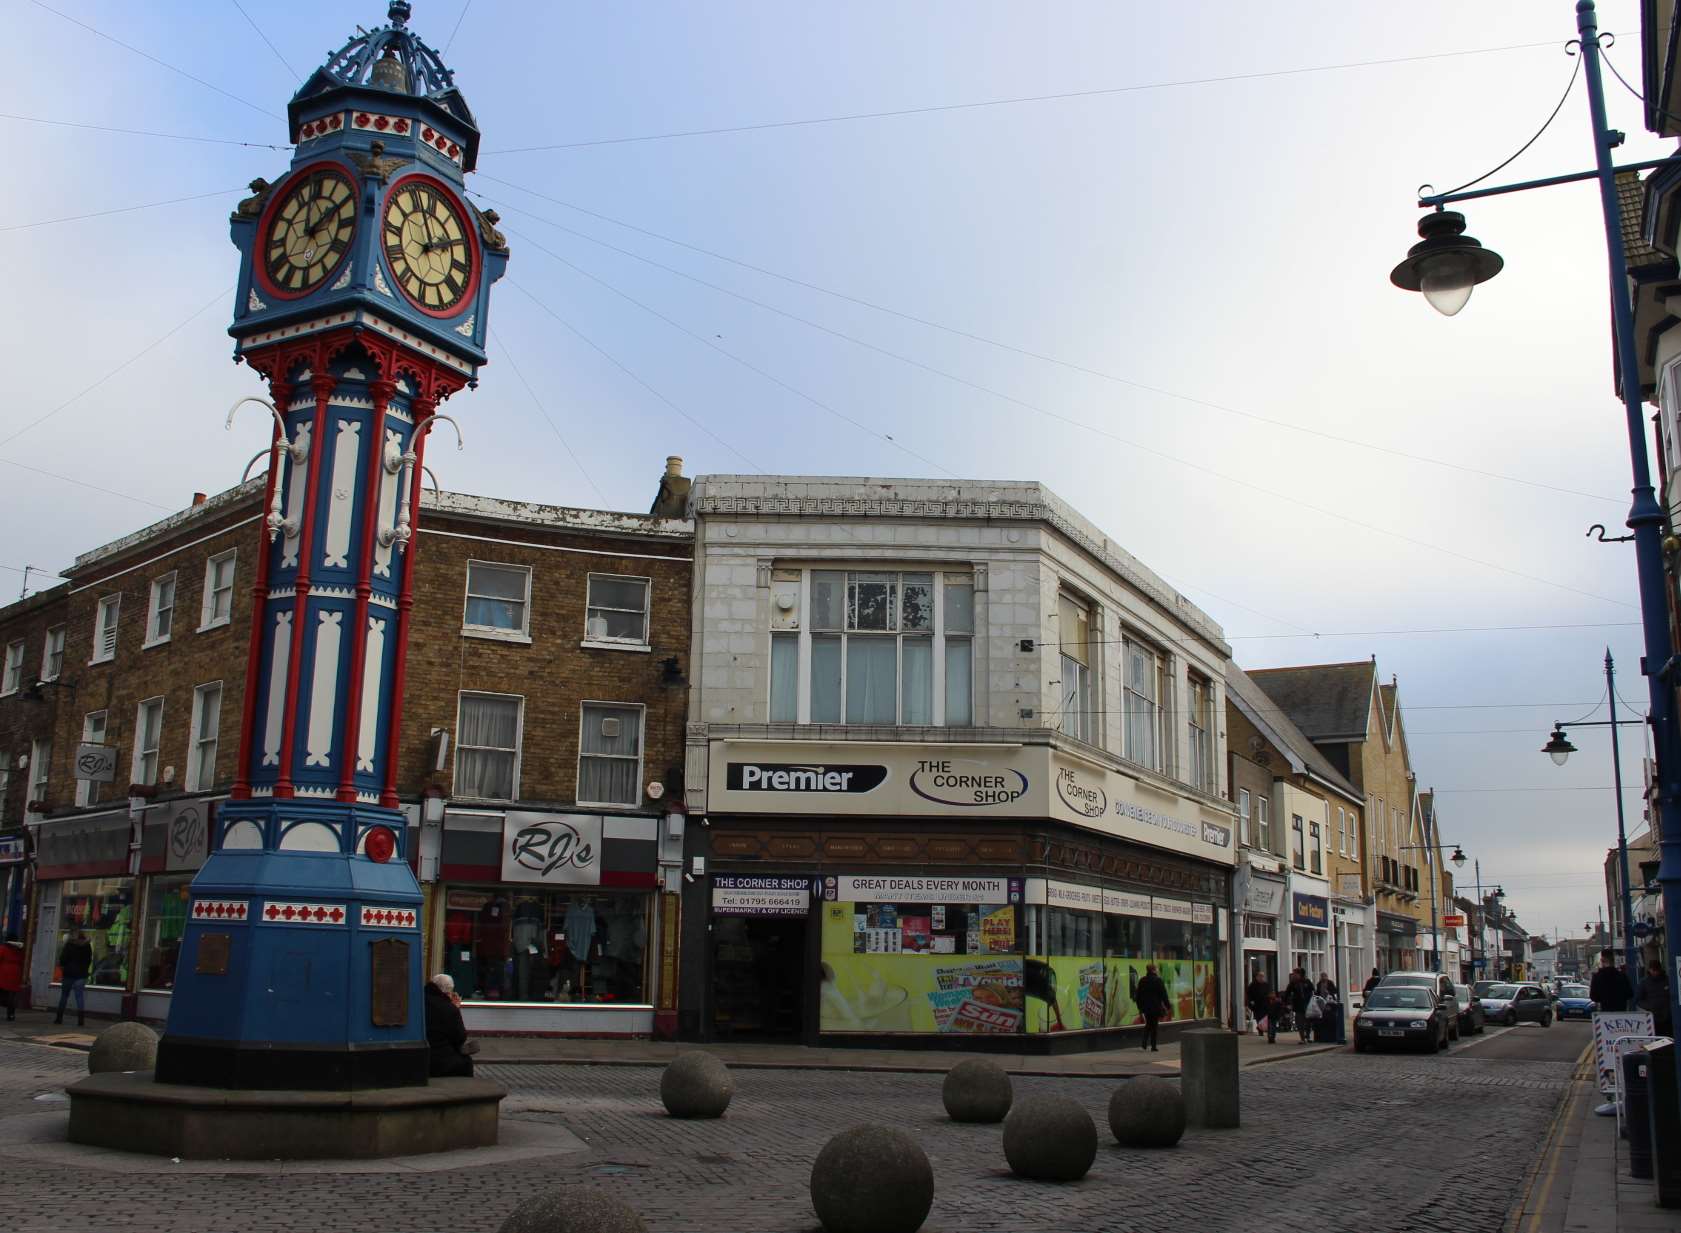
<point>498,603</point>
<point>1263,823</point>
<point>1353,836</point>
<point>879,647</point>
<point>52,654</point>
<point>1316,848</point>
<point>1074,641</point>
<point>207,724</point>
<point>11,679</point>
<point>487,746</point>
<point>40,763</point>
<point>160,610</point>
<point>610,754</point>
<point>1243,816</point>
<point>148,731</point>
<point>1146,698</point>
<point>105,628</point>
<point>616,610</point>
<point>94,727</point>
<point>1200,724</point>
<point>5,781</point>
<point>1298,841</point>
<point>218,590</point>
<point>1342,834</point>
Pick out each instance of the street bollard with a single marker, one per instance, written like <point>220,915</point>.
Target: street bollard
<point>1208,1078</point>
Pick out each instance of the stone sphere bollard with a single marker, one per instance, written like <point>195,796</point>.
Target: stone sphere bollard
<point>872,1179</point>
<point>124,1046</point>
<point>1050,1139</point>
<point>572,1209</point>
<point>696,1085</point>
<point>977,1090</point>
<point>1147,1112</point>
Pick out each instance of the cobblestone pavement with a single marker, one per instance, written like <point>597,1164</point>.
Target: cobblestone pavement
<point>1338,1141</point>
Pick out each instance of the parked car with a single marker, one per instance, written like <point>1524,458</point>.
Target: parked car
<point>1401,1014</point>
<point>1574,1003</point>
<point>1439,985</point>
<point>1517,1002</point>
<point>1472,1021</point>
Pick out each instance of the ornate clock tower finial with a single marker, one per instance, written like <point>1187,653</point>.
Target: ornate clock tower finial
<point>364,285</point>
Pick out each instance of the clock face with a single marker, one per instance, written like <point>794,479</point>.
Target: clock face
<point>428,245</point>
<point>309,231</point>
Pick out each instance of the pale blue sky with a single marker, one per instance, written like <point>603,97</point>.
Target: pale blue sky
<point>1227,242</point>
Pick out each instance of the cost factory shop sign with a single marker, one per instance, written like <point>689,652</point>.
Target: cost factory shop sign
<point>866,779</point>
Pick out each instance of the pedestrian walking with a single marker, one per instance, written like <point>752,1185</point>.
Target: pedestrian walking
<point>1654,997</point>
<point>1258,996</point>
<point>1372,982</point>
<point>1299,992</point>
<point>1610,987</point>
<point>1326,987</point>
<point>1153,1004</point>
<point>11,975</point>
<point>446,1032</point>
<point>75,961</point>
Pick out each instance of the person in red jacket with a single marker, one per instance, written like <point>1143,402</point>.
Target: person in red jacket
<point>11,976</point>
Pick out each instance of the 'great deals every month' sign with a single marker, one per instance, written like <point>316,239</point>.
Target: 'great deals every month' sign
<point>888,779</point>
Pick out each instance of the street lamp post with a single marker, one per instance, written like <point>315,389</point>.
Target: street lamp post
<point>1458,858</point>
<point>1451,266</point>
<point>1559,748</point>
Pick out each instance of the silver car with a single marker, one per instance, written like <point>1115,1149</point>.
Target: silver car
<point>1516,1003</point>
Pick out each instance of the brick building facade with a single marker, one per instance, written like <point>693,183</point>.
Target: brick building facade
<point>544,707</point>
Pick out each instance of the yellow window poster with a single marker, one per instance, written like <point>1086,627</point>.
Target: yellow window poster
<point>872,990</point>
<point>1071,994</point>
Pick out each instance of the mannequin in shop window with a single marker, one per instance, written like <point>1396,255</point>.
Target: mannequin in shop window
<point>580,927</point>
<point>493,948</point>
<point>530,959</point>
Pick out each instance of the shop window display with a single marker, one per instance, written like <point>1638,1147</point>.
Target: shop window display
<point>517,945</point>
<point>103,909</point>
<point>921,967</point>
<point>1087,973</point>
<point>166,920</point>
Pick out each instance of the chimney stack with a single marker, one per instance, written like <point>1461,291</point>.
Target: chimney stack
<point>199,498</point>
<point>672,499</point>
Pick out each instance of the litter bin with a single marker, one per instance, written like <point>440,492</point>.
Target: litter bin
<point>1325,1027</point>
<point>1636,1124</point>
<point>1663,1114</point>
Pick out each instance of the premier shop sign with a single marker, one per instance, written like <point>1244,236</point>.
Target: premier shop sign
<point>908,780</point>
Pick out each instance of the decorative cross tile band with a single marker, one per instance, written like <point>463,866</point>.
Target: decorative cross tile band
<point>388,918</point>
<point>302,913</point>
<point>220,909</point>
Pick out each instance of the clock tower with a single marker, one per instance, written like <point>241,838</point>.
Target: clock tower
<point>364,285</point>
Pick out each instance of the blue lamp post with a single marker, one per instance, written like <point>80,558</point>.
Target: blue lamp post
<point>1446,265</point>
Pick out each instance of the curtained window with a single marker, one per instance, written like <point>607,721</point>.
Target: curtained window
<point>498,598</point>
<point>610,755</point>
<point>487,746</point>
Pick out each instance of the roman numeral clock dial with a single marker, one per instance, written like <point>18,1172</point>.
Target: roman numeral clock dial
<point>428,246</point>
<point>309,231</point>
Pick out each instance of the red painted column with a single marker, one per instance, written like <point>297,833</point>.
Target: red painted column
<point>423,407</point>
<point>281,393</point>
<point>322,383</point>
<point>350,737</point>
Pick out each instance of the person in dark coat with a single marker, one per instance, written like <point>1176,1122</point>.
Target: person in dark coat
<point>1372,982</point>
<point>1610,987</point>
<point>1299,992</point>
<point>446,1033</point>
<point>1151,996</point>
<point>75,961</point>
<point>11,976</point>
<point>1259,997</point>
<point>1654,996</point>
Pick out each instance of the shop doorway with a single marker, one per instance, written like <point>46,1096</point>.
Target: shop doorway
<point>758,977</point>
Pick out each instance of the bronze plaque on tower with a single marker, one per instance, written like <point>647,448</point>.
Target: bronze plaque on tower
<point>212,954</point>
<point>388,971</point>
